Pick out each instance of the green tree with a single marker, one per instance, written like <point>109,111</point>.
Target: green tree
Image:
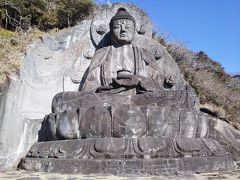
<point>11,13</point>
<point>44,14</point>
<point>49,17</point>
<point>70,12</point>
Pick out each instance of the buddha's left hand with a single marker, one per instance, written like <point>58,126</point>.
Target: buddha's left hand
<point>127,80</point>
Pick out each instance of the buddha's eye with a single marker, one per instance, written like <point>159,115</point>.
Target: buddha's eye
<point>128,27</point>
<point>116,27</point>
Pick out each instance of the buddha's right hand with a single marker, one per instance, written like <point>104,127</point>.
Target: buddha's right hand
<point>109,89</point>
<point>103,88</point>
<point>127,80</point>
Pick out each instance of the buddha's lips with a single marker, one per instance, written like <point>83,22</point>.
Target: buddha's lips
<point>123,35</point>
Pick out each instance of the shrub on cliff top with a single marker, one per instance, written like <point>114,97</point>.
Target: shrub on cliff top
<point>45,15</point>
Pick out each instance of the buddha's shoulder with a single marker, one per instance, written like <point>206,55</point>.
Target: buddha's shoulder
<point>101,51</point>
<point>98,57</point>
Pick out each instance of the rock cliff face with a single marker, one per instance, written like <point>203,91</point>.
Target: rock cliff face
<point>49,66</point>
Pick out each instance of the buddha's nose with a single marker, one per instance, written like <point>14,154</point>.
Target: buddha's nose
<point>123,29</point>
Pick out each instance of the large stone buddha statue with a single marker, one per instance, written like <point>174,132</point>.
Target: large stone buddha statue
<point>117,75</point>
<point>134,114</point>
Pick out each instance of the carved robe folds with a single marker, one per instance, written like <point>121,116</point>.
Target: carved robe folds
<point>108,60</point>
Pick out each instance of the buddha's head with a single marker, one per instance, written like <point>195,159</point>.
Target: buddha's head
<point>122,28</point>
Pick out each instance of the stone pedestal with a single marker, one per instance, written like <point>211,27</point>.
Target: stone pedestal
<point>140,156</point>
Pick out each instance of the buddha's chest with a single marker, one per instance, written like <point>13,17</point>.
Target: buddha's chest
<point>122,58</point>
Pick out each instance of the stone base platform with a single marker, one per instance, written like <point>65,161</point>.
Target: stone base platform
<point>132,166</point>
<point>140,156</point>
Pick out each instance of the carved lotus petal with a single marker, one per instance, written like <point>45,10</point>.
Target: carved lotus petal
<point>152,145</point>
<point>188,145</point>
<point>112,145</point>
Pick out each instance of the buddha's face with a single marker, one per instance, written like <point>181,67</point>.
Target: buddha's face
<point>123,31</point>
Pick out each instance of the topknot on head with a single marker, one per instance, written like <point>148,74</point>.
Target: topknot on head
<point>122,14</point>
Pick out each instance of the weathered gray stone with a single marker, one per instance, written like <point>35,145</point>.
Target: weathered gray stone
<point>125,155</point>
<point>51,65</point>
<point>146,147</point>
<point>156,166</point>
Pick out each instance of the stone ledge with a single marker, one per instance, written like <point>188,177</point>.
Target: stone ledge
<point>132,166</point>
<point>130,148</point>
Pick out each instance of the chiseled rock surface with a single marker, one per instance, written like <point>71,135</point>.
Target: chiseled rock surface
<point>48,68</point>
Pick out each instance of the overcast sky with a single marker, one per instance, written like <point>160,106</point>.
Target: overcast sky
<point>212,26</point>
